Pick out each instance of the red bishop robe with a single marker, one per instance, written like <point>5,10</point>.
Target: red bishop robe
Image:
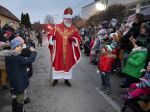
<point>65,54</point>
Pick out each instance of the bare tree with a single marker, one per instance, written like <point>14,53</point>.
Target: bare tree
<point>49,19</point>
<point>117,11</point>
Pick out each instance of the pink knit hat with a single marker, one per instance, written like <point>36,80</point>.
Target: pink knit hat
<point>20,39</point>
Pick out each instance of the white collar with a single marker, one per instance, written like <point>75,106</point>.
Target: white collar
<point>138,49</point>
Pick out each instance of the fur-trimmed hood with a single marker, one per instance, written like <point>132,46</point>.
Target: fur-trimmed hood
<point>6,53</point>
<point>139,49</point>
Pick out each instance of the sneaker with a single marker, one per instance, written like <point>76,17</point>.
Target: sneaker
<point>27,100</point>
<point>107,91</point>
<point>103,88</point>
<point>55,82</point>
<point>67,83</point>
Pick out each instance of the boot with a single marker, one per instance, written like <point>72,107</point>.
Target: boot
<point>55,82</point>
<point>67,83</point>
<point>19,107</point>
<point>27,100</point>
<point>103,88</point>
<point>108,91</point>
<point>14,104</point>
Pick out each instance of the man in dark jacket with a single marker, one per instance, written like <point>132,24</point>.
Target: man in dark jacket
<point>9,27</point>
<point>17,73</point>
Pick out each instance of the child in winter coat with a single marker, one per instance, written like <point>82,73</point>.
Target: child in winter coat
<point>106,61</point>
<point>115,39</point>
<point>135,62</point>
<point>26,52</point>
<point>143,87</point>
<point>17,73</point>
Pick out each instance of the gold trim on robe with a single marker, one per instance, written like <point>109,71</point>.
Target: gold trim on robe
<point>65,34</point>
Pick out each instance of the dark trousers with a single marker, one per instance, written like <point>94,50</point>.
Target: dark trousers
<point>106,79</point>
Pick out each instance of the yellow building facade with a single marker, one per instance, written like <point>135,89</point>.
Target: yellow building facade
<point>6,17</point>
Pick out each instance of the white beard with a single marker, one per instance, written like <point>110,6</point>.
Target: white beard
<point>68,25</point>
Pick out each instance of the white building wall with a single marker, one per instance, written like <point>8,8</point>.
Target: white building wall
<point>88,10</point>
<point>110,2</point>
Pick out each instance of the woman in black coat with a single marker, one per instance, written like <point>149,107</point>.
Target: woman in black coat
<point>133,32</point>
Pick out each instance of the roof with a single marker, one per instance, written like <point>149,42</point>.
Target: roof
<point>5,12</point>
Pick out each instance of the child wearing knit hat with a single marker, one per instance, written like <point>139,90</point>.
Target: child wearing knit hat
<point>18,79</point>
<point>15,43</point>
<point>21,39</point>
<point>107,58</point>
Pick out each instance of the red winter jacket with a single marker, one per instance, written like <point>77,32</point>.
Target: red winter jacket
<point>106,62</point>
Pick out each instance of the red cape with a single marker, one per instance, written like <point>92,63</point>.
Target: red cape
<point>65,54</point>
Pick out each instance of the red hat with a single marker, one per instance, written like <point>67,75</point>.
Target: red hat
<point>8,33</point>
<point>68,13</point>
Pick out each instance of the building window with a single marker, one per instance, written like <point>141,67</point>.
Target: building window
<point>148,2</point>
<point>143,8</point>
<point>144,3</point>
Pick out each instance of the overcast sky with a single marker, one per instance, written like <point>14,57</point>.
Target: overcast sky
<point>38,9</point>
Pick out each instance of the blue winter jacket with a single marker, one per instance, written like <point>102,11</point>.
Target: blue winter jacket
<point>17,71</point>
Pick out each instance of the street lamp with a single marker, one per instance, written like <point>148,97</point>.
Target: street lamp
<point>138,6</point>
<point>100,7</point>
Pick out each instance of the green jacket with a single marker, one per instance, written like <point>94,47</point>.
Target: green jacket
<point>135,62</point>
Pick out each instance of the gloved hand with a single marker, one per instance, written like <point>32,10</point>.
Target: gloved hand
<point>71,39</point>
<point>3,44</point>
